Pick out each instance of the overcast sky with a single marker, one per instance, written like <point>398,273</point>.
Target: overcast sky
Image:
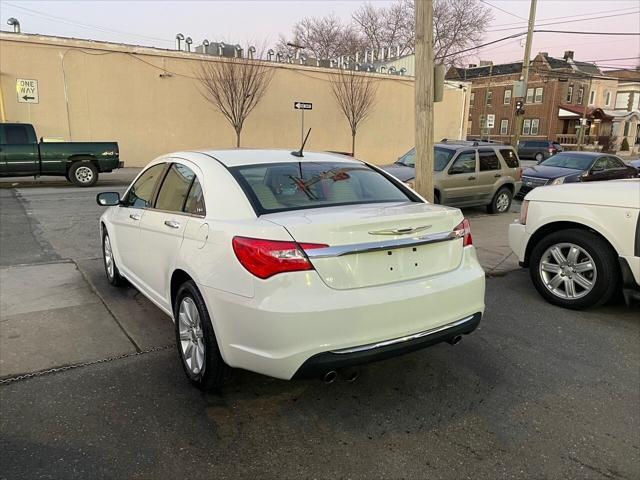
<point>155,23</point>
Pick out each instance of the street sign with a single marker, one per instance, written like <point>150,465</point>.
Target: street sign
<point>302,105</point>
<point>27,91</point>
<point>491,120</point>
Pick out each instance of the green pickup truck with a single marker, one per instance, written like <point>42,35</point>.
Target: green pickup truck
<point>21,155</point>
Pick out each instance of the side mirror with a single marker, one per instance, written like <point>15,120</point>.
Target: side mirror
<point>108,199</point>
<point>597,168</point>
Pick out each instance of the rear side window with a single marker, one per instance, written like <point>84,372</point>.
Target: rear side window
<point>175,188</point>
<point>195,200</point>
<point>16,134</point>
<point>488,160</point>
<point>510,157</point>
<point>141,192</point>
<point>614,162</point>
<point>278,187</point>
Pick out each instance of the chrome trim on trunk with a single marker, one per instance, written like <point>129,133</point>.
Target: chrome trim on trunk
<point>385,343</point>
<point>354,248</point>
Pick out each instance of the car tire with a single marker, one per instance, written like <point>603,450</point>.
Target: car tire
<point>109,261</point>
<point>196,341</point>
<point>538,157</point>
<point>83,174</point>
<point>501,201</point>
<point>553,275</point>
<point>436,198</point>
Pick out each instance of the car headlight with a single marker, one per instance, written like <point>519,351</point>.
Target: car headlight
<point>411,183</point>
<point>558,181</point>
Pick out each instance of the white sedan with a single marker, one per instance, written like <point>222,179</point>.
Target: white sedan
<point>290,267</point>
<point>581,241</point>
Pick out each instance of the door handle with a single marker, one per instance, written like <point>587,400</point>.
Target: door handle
<point>172,224</point>
<point>135,216</point>
<point>497,175</point>
<point>471,178</point>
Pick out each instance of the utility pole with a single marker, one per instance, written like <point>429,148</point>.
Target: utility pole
<point>583,119</point>
<point>525,69</point>
<point>424,87</point>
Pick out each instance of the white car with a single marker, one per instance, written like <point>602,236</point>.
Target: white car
<point>581,241</point>
<point>289,266</point>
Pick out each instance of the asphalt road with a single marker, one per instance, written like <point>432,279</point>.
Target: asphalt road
<point>535,392</point>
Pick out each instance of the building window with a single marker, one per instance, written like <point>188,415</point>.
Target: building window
<point>535,125</point>
<point>526,126</point>
<point>472,99</point>
<point>569,93</point>
<point>538,98</point>
<point>504,127</point>
<point>482,122</point>
<point>580,95</point>
<point>607,98</point>
<point>489,97</point>
<point>507,97</point>
<point>469,127</point>
<point>530,92</point>
<point>592,97</point>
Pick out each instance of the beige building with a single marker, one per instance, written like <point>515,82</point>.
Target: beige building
<point>147,100</point>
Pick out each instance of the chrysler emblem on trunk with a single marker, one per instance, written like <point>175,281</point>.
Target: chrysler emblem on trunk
<point>400,231</point>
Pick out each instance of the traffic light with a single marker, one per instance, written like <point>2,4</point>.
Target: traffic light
<point>519,107</point>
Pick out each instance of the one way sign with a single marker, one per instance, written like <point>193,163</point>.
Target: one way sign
<point>27,90</point>
<point>303,105</point>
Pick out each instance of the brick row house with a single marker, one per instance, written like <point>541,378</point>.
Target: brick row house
<point>561,91</point>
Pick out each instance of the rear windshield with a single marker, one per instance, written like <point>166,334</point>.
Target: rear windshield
<point>569,160</point>
<point>440,160</point>
<point>278,187</point>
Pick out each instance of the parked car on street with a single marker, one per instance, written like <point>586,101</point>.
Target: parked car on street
<point>290,267</point>
<point>468,174</point>
<point>21,155</point>
<point>635,164</point>
<point>581,243</point>
<point>538,150</point>
<point>571,167</point>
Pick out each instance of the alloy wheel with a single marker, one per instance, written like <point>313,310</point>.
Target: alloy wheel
<point>191,339</point>
<point>568,271</point>
<point>108,258</point>
<point>502,202</point>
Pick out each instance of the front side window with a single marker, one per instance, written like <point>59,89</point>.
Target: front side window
<point>526,126</point>
<point>507,97</point>
<point>140,194</point>
<point>600,164</point>
<point>488,160</point>
<point>465,163</point>
<point>440,160</point>
<point>16,134</point>
<point>569,93</point>
<point>175,188</point>
<point>535,125</point>
<point>504,126</point>
<point>530,95</point>
<point>538,97</point>
<point>278,187</point>
<point>510,157</point>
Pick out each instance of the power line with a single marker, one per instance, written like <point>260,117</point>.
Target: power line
<point>503,10</point>
<point>571,32</point>
<point>566,17</point>
<point>566,21</point>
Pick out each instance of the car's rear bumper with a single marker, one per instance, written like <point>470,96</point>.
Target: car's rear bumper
<point>120,164</point>
<point>322,363</point>
<point>295,316</point>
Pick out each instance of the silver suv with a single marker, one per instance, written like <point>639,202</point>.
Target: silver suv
<point>468,174</point>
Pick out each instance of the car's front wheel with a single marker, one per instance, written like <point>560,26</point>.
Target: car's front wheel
<point>501,201</point>
<point>574,269</point>
<point>110,267</point>
<point>197,344</point>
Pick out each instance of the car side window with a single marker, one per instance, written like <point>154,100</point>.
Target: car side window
<point>600,164</point>
<point>175,187</point>
<point>141,192</point>
<point>195,200</point>
<point>488,160</point>
<point>614,162</point>
<point>16,134</point>
<point>510,157</point>
<point>465,163</point>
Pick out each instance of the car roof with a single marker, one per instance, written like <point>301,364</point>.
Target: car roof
<point>247,156</point>
<point>581,154</point>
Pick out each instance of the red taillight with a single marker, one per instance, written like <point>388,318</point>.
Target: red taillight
<point>463,230</point>
<point>552,150</point>
<point>265,258</point>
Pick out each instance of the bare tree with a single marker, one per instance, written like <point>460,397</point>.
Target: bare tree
<point>392,26</point>
<point>234,87</point>
<point>355,94</point>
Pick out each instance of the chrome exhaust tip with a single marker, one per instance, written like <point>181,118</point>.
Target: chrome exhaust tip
<point>455,340</point>
<point>330,376</point>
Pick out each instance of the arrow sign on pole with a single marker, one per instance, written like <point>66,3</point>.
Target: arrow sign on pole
<point>302,105</point>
